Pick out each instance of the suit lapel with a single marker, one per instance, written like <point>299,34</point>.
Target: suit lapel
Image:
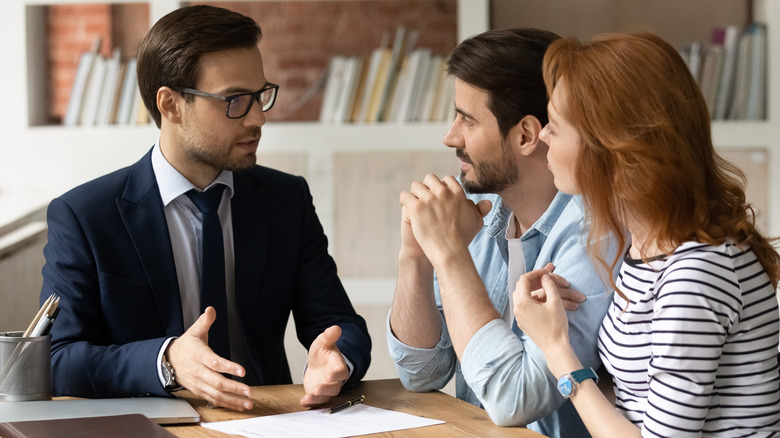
<point>141,209</point>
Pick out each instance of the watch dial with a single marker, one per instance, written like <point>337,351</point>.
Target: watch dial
<point>564,385</point>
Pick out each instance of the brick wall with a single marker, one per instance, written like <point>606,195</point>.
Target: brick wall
<point>298,39</point>
<point>71,30</point>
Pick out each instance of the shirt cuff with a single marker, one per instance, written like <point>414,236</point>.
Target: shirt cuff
<point>414,359</point>
<point>160,360</point>
<point>491,346</point>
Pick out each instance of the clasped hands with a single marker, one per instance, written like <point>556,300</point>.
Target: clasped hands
<point>200,370</point>
<point>437,219</point>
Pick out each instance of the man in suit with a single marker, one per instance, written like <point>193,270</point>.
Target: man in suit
<point>153,296</point>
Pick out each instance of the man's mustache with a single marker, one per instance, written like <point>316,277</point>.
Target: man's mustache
<point>463,156</point>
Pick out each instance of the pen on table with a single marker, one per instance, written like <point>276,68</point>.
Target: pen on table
<point>347,404</point>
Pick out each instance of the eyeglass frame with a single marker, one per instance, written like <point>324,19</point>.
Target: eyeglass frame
<point>229,99</point>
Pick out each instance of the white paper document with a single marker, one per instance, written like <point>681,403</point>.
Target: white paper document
<point>356,420</point>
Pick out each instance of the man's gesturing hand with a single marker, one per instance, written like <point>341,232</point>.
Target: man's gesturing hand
<point>327,370</point>
<point>200,370</point>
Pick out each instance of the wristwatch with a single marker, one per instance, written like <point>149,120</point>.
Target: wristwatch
<point>567,384</point>
<point>168,374</point>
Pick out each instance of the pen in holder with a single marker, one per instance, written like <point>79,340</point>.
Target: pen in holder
<point>25,357</point>
<point>25,367</point>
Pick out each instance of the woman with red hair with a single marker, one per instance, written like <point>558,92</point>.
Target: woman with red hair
<point>691,338</point>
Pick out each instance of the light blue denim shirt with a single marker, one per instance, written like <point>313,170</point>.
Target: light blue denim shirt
<point>502,370</point>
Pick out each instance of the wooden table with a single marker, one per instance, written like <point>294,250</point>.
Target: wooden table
<point>462,419</point>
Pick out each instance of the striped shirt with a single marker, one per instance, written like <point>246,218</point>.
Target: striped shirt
<point>694,351</point>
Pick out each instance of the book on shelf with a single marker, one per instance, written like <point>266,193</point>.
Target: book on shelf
<point>108,91</point>
<point>738,106</point>
<point>113,113</point>
<point>358,93</point>
<point>756,101</point>
<point>692,56</point>
<point>92,96</point>
<point>344,75</point>
<point>726,83</point>
<point>142,116</point>
<point>135,109</point>
<point>129,87</point>
<point>377,87</point>
<point>334,82</point>
<point>410,86</point>
<point>732,72</point>
<point>349,87</point>
<point>403,44</point>
<point>81,79</point>
<point>446,104</point>
<point>427,85</point>
<point>435,73</point>
<point>710,75</point>
<point>369,82</point>
<point>105,91</point>
<point>404,83</point>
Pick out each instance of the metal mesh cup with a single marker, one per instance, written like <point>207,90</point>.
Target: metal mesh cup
<point>25,367</point>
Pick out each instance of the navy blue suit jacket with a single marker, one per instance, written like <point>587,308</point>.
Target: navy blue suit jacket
<point>110,260</point>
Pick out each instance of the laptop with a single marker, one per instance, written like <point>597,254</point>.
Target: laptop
<point>160,410</point>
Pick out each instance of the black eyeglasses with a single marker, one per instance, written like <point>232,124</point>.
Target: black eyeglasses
<point>238,105</point>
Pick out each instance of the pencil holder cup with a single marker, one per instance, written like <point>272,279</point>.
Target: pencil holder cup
<point>25,367</point>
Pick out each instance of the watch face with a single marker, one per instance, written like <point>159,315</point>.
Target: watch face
<point>565,386</point>
<point>167,374</point>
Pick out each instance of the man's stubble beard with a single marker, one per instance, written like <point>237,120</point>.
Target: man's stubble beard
<point>490,177</point>
<point>193,143</point>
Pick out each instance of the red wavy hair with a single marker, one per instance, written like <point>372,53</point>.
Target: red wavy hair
<point>646,150</point>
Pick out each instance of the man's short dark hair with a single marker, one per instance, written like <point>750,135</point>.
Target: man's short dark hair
<point>170,52</point>
<point>507,63</point>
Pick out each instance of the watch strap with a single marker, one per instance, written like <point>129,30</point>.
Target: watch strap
<point>580,376</point>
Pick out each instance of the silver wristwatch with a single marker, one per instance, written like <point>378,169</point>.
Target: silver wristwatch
<point>169,375</point>
<point>568,383</point>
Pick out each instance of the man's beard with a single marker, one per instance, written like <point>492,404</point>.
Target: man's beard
<point>193,143</point>
<point>491,177</point>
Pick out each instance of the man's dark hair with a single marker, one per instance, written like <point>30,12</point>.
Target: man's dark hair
<point>170,52</point>
<point>507,63</point>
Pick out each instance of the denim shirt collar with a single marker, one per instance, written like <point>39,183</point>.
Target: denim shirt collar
<point>498,220</point>
<point>548,219</point>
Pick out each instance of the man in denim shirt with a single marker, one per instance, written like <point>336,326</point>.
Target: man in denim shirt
<point>461,322</point>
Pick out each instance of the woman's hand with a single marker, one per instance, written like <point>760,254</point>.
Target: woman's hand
<point>539,310</point>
